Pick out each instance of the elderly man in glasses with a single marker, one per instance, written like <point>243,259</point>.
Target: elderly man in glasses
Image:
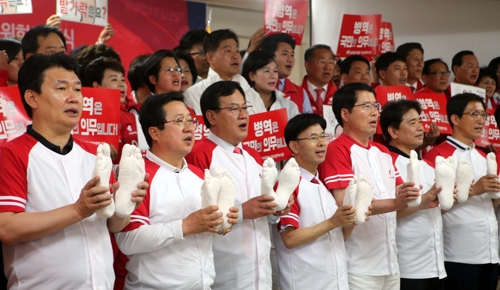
<point>169,238</point>
<point>371,250</point>
<point>242,259</point>
<point>470,229</point>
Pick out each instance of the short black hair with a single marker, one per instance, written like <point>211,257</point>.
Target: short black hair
<point>32,73</point>
<point>152,114</point>
<point>256,60</point>
<point>11,46</point>
<point>135,72</point>
<point>191,38</point>
<point>428,63</point>
<point>346,97</point>
<point>393,113</point>
<point>345,65</point>
<point>210,99</point>
<point>386,59</point>
<point>300,123</point>
<point>270,43</point>
<point>30,44</point>
<point>152,66</point>
<point>458,58</point>
<point>95,51</point>
<point>95,70</point>
<point>405,48</point>
<point>309,54</point>
<point>214,39</point>
<point>494,64</point>
<point>77,51</point>
<point>457,104</point>
<point>487,72</point>
<point>181,54</point>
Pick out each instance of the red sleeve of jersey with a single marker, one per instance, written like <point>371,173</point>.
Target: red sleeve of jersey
<point>336,171</point>
<point>201,154</point>
<point>140,216</point>
<point>256,155</point>
<point>431,155</point>
<point>4,78</point>
<point>198,172</point>
<point>292,218</point>
<point>13,174</point>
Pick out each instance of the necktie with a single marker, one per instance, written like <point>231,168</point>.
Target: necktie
<point>278,85</point>
<point>314,180</point>
<point>237,150</point>
<point>319,101</point>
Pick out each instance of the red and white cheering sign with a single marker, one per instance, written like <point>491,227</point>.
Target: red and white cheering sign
<point>391,94</point>
<point>491,133</point>
<point>100,121</point>
<point>266,134</point>
<point>386,38</point>
<point>286,16</point>
<point>359,35</point>
<point>13,118</point>
<point>434,111</point>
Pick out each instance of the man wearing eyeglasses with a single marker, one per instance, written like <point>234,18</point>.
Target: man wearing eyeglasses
<point>169,238</point>
<point>371,250</point>
<point>221,49</point>
<point>470,229</point>
<point>192,43</point>
<point>314,231</point>
<point>242,259</point>
<point>436,76</point>
<point>320,65</point>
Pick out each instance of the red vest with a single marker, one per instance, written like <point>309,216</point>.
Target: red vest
<point>295,93</point>
<point>330,91</point>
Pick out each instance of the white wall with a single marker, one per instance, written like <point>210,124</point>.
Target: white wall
<point>245,22</point>
<point>443,27</point>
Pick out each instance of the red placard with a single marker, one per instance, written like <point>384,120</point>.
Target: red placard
<point>201,131</point>
<point>100,121</point>
<point>266,134</point>
<point>13,118</point>
<point>391,94</point>
<point>286,16</point>
<point>434,111</point>
<point>491,133</point>
<point>359,35</point>
<point>386,38</point>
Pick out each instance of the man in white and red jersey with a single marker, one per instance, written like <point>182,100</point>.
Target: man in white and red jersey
<point>371,249</point>
<point>242,259</point>
<point>169,241</point>
<point>419,235</point>
<point>470,229</point>
<point>319,61</point>
<point>314,231</point>
<point>52,238</point>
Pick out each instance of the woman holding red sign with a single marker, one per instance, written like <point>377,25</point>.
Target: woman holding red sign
<point>261,72</point>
